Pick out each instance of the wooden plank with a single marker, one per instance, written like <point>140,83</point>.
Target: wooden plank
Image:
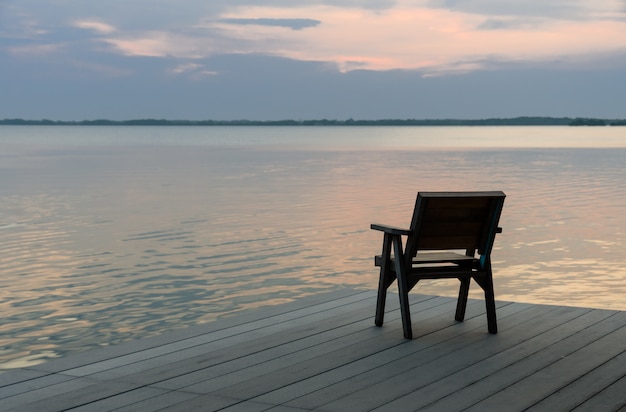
<point>208,403</point>
<point>346,372</point>
<point>199,359</point>
<point>30,385</point>
<point>249,317</point>
<point>161,402</point>
<point>446,393</point>
<point>265,325</point>
<point>252,352</point>
<point>526,366</point>
<point>561,372</point>
<point>19,375</point>
<point>612,398</point>
<point>64,395</point>
<point>400,359</point>
<point>330,356</point>
<point>436,362</point>
<point>192,354</point>
<point>432,331</point>
<point>252,406</point>
<point>600,383</point>
<point>266,376</point>
<point>204,403</point>
<point>128,398</point>
<point>50,382</point>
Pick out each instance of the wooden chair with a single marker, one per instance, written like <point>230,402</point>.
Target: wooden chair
<point>443,224</point>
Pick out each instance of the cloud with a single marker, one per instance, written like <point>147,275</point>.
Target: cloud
<point>507,23</point>
<point>16,24</point>
<point>428,35</point>
<point>195,71</point>
<point>312,59</point>
<point>96,26</point>
<point>36,50</point>
<point>161,44</point>
<point>105,70</point>
<point>554,9</point>
<point>186,67</point>
<point>294,24</point>
<point>417,37</point>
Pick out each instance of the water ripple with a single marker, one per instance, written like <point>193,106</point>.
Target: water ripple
<point>141,242</point>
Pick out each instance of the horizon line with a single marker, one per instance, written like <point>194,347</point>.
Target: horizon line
<point>492,121</point>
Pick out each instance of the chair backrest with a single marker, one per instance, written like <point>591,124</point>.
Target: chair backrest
<point>455,220</point>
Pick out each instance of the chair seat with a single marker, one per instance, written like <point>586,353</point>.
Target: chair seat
<point>434,257</point>
<point>439,265</point>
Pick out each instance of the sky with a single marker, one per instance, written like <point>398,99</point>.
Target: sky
<point>314,59</point>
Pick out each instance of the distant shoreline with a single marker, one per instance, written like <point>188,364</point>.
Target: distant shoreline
<point>515,121</point>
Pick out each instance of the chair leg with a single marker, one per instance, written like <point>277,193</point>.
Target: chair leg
<point>403,288</point>
<point>490,303</point>
<point>461,304</point>
<point>384,281</point>
<point>380,302</point>
<point>492,323</point>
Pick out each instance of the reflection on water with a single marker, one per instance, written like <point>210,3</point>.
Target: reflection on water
<point>117,241</point>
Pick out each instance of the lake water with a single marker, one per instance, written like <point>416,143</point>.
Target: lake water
<point>117,233</point>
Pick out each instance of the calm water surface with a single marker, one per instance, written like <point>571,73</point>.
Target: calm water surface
<point>117,233</point>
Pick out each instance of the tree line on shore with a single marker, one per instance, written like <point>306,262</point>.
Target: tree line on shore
<point>516,121</point>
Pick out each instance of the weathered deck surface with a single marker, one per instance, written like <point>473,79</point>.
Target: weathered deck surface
<point>324,353</point>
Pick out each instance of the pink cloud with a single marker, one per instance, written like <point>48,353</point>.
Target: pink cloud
<point>36,50</point>
<point>95,25</point>
<point>408,36</point>
<point>162,44</point>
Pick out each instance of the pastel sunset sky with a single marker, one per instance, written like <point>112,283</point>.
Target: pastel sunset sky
<point>279,59</point>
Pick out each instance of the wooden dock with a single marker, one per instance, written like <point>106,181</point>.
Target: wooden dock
<point>324,353</point>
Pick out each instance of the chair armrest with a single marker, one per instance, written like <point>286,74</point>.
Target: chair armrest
<point>390,229</point>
